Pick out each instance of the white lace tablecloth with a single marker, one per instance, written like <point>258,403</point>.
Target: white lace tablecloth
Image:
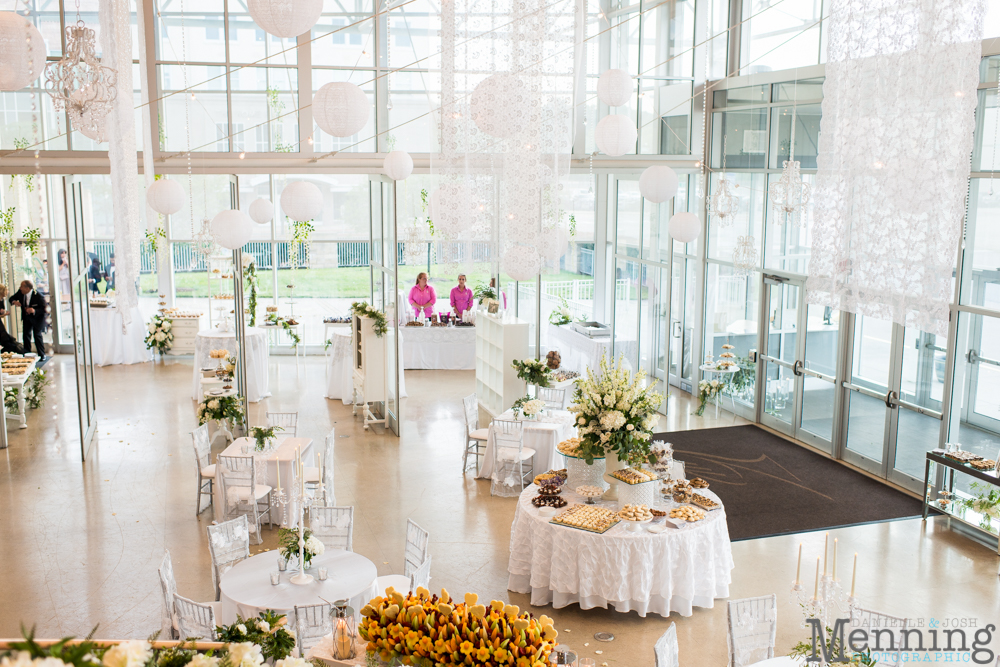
<point>439,348</point>
<point>246,589</point>
<point>339,369</point>
<point>257,356</point>
<point>672,571</point>
<point>542,435</point>
<point>110,345</point>
<point>268,463</point>
<point>579,352</point>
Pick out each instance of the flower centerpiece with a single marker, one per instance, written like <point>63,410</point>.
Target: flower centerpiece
<point>529,406</point>
<point>707,390</point>
<point>268,634</point>
<point>221,408</point>
<point>288,545</point>
<point>262,435</point>
<point>615,414</point>
<point>484,293</point>
<point>532,371</point>
<point>425,629</point>
<point>362,309</point>
<point>160,336</point>
<point>561,315</point>
<point>986,503</point>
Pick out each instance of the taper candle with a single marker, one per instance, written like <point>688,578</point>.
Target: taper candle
<point>816,590</point>
<point>277,464</point>
<point>826,550</point>
<point>834,570</point>
<point>798,568</point>
<point>854,577</point>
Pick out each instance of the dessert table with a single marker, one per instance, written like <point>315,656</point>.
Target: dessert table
<point>542,435</point>
<point>110,345</point>
<point>246,589</point>
<point>257,358</point>
<point>268,463</point>
<point>580,352</point>
<point>339,370</point>
<point>17,382</point>
<point>673,571</point>
<point>438,348</point>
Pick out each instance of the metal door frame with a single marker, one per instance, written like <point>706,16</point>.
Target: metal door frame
<point>768,281</point>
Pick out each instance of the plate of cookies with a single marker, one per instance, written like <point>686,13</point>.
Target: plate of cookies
<point>687,513</point>
<point>704,502</point>
<point>634,516</point>
<point>554,502</point>
<point>592,518</point>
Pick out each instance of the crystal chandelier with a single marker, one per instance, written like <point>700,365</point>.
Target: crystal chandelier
<point>204,243</point>
<point>723,203</point>
<point>78,83</point>
<point>745,256</point>
<point>789,195</point>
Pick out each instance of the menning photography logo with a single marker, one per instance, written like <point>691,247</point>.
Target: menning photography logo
<point>890,641</point>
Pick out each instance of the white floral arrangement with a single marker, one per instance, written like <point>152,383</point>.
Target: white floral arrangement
<point>160,336</point>
<point>707,390</point>
<point>615,412</point>
<point>532,407</point>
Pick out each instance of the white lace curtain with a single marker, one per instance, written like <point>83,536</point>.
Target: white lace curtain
<point>899,106</point>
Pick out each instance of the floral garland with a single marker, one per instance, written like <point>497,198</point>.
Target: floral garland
<point>250,269</point>
<point>421,629</point>
<point>707,390</point>
<point>31,237</point>
<point>160,336</point>
<point>288,544</point>
<point>275,319</point>
<point>615,412</point>
<point>301,229</point>
<point>34,393</point>
<point>362,309</point>
<point>268,632</point>
<point>222,408</point>
<point>532,371</point>
<point>562,315</point>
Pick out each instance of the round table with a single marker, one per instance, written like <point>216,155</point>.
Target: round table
<point>672,571</point>
<point>110,345</point>
<point>246,589</point>
<point>782,661</point>
<point>257,358</point>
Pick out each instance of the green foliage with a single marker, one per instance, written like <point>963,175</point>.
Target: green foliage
<point>268,630</point>
<point>78,655</point>
<point>301,229</point>
<point>276,106</point>
<point>261,435</point>
<point>288,544</point>
<point>423,207</point>
<point>7,229</point>
<point>532,371</point>
<point>804,649</point>
<point>31,237</point>
<point>362,309</point>
<point>34,389</point>
<point>29,179</point>
<point>251,279</point>
<point>153,237</point>
<point>273,318</point>
<point>561,315</point>
<point>483,292</point>
<point>220,408</point>
<point>572,225</point>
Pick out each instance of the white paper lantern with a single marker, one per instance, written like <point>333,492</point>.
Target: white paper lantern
<point>166,197</point>
<point>231,229</point>
<point>615,135</point>
<point>285,18</point>
<point>301,200</point>
<point>521,262</point>
<point>553,244</point>
<point>20,42</point>
<point>398,165</point>
<point>614,88</point>
<point>341,109</point>
<point>684,227</point>
<point>492,98</point>
<point>658,183</point>
<point>452,208</point>
<point>261,211</point>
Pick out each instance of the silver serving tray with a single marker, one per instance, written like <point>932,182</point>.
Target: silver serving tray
<point>592,329</point>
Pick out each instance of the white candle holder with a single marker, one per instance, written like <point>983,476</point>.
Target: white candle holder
<point>829,604</point>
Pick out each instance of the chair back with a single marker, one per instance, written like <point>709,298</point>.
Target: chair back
<point>228,543</point>
<point>312,623</point>
<point>471,406</point>
<point>876,623</point>
<point>665,651</point>
<point>421,576</point>
<point>752,628</point>
<point>333,526</point>
<point>416,547</point>
<point>194,619</point>
<point>202,447</point>
<point>553,398</point>
<point>289,421</point>
<point>508,432</point>
<point>168,586</point>
<point>330,499</point>
<point>239,481</point>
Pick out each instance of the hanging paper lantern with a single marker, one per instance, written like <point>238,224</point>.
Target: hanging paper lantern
<point>614,88</point>
<point>398,165</point>
<point>553,244</point>
<point>285,18</point>
<point>301,200</point>
<point>658,184</point>
<point>231,229</point>
<point>452,209</point>
<point>615,135</point>
<point>22,51</point>
<point>341,109</point>
<point>491,100</point>
<point>684,227</point>
<point>521,262</point>
<point>261,211</point>
<point>166,197</point>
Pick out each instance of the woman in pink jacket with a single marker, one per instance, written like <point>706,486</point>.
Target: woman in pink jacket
<point>461,297</point>
<point>422,296</point>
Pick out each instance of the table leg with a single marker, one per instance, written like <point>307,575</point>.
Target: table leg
<point>927,473</point>
<point>20,406</point>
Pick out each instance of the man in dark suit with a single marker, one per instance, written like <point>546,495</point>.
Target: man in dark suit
<point>32,306</point>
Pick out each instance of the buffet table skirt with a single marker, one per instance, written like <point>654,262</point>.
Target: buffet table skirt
<point>439,348</point>
<point>542,435</point>
<point>579,352</point>
<point>110,345</point>
<point>267,470</point>
<point>257,358</point>
<point>246,589</point>
<point>673,571</point>
<point>339,369</point>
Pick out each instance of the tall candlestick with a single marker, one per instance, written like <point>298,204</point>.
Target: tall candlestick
<point>854,577</point>
<point>826,549</point>
<point>798,568</point>
<point>816,589</point>
<point>834,571</point>
<point>277,464</point>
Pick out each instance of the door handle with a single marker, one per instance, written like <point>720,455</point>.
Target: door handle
<point>797,368</point>
<point>972,356</point>
<point>890,397</point>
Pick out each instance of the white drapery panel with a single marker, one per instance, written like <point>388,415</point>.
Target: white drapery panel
<point>899,106</point>
<point>506,124</point>
<point>116,47</point>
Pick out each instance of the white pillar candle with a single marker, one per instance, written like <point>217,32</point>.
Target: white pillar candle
<point>826,549</point>
<point>834,570</point>
<point>798,568</point>
<point>854,577</point>
<point>816,589</point>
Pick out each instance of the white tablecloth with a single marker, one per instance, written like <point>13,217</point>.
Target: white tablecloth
<point>672,571</point>
<point>257,356</point>
<point>781,661</point>
<point>247,590</point>
<point>267,469</point>
<point>579,352</point>
<point>439,348</point>
<point>110,345</point>
<point>339,369</point>
<point>542,436</point>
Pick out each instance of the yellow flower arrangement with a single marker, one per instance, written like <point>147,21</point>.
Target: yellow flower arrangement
<point>421,629</point>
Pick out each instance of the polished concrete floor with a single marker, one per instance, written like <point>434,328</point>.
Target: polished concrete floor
<point>80,543</point>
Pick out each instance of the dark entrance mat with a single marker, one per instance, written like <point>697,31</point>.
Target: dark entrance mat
<point>771,486</point>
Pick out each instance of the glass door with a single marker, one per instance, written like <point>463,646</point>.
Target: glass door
<point>779,361</point>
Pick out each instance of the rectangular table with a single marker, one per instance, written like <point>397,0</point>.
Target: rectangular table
<point>438,348</point>
<point>281,457</point>
<point>542,436</point>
